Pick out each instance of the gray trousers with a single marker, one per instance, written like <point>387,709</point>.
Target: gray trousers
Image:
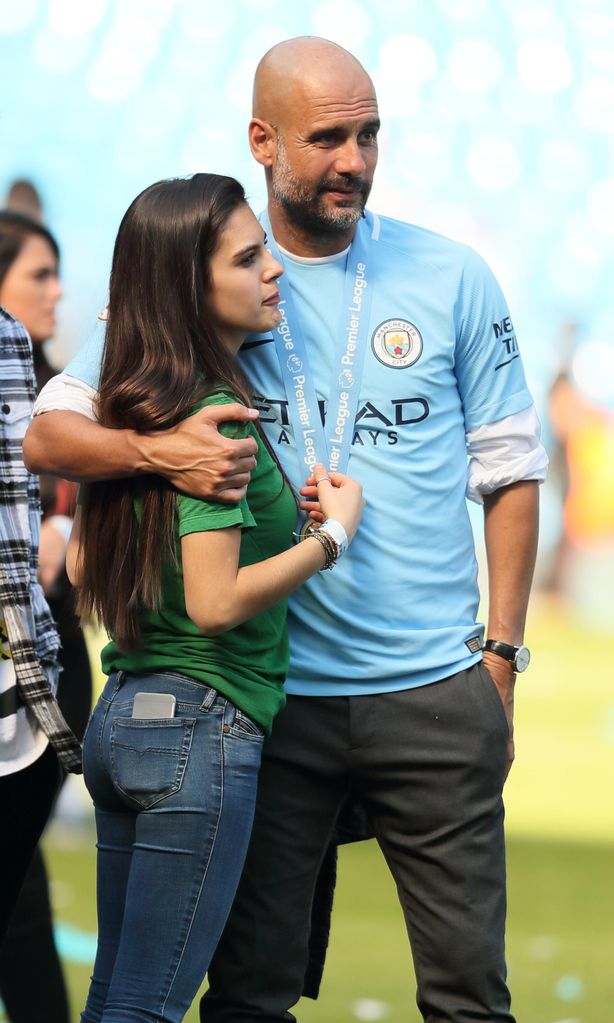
<point>428,764</point>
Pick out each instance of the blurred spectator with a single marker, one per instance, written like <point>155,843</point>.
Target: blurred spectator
<point>30,289</point>
<point>34,738</point>
<point>582,463</point>
<point>24,198</point>
<point>558,477</point>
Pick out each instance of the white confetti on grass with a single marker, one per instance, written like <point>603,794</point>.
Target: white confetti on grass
<point>569,988</point>
<point>608,724</point>
<point>62,893</point>
<point>74,944</point>
<point>370,1009</point>
<point>544,947</point>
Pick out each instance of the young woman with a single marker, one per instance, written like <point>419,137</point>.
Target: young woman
<point>193,595</point>
<point>30,289</point>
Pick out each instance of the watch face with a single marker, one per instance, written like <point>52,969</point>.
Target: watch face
<point>522,659</point>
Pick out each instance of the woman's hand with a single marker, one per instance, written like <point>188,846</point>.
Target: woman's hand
<point>220,594</point>
<point>333,495</point>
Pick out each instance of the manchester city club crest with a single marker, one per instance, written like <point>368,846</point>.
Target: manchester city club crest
<point>397,343</point>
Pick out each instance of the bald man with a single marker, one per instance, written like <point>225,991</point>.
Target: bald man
<point>395,353</point>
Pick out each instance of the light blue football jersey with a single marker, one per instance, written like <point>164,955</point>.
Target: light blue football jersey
<point>399,609</point>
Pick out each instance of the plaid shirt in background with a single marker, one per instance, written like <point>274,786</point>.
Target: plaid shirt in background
<point>32,639</point>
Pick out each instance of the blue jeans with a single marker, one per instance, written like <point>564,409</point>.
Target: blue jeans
<point>174,801</point>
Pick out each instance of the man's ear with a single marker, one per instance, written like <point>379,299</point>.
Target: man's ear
<point>262,141</point>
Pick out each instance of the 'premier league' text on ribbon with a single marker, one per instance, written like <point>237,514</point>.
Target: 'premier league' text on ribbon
<point>298,382</point>
<point>355,311</point>
<point>347,359</point>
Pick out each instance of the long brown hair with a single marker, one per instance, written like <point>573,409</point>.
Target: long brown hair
<point>161,355</point>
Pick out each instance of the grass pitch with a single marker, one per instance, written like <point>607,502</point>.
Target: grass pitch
<point>560,863</point>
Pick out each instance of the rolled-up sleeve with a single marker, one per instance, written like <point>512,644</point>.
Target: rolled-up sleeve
<point>504,452</point>
<point>64,393</point>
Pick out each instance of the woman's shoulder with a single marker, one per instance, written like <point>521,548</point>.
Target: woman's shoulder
<point>223,395</point>
<point>218,396</point>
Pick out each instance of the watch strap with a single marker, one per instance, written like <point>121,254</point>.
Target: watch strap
<point>518,656</point>
<point>505,650</point>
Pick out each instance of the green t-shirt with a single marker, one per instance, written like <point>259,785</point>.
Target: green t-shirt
<point>247,664</point>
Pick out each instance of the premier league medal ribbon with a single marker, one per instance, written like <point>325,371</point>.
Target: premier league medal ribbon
<point>330,445</point>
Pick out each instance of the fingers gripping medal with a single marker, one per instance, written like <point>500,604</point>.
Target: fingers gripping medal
<point>330,533</point>
<point>309,525</point>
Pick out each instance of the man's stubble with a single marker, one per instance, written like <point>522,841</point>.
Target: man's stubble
<point>304,204</point>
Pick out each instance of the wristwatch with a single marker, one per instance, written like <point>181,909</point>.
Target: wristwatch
<point>518,656</point>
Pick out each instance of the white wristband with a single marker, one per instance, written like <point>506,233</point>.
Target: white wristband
<point>337,532</point>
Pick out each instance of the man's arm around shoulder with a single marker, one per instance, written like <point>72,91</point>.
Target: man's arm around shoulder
<point>192,455</point>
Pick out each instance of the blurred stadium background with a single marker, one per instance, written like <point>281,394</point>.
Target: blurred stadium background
<point>498,130</point>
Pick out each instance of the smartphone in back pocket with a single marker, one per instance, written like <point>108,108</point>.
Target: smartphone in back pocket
<point>154,705</point>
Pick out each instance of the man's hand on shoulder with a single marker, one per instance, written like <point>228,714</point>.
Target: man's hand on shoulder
<point>194,456</point>
<point>199,460</point>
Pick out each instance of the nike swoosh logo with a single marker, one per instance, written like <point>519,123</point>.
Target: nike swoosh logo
<point>502,364</point>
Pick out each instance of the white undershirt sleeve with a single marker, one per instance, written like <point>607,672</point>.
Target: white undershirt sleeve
<point>64,393</point>
<point>505,452</point>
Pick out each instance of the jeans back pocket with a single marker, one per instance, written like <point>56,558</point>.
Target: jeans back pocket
<point>149,757</point>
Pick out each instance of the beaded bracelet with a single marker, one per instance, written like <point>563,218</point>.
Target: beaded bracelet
<point>333,543</point>
<point>331,548</point>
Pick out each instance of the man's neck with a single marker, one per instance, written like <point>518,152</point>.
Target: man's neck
<point>300,242</point>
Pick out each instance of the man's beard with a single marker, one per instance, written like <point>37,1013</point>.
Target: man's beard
<point>304,204</point>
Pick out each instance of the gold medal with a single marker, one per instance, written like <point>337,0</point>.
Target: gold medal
<point>308,527</point>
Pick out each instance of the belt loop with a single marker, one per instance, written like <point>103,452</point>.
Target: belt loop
<point>119,681</point>
<point>210,698</point>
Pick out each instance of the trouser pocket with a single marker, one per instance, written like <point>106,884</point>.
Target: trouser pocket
<point>148,758</point>
<point>244,727</point>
